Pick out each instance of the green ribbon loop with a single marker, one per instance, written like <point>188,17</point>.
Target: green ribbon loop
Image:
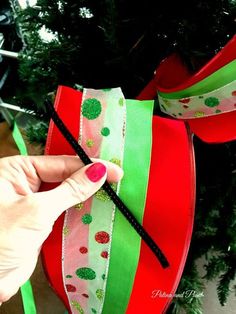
<point>26,290</point>
<point>219,78</point>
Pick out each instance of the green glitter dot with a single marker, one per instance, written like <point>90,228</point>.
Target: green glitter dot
<point>121,102</point>
<point>87,219</point>
<point>200,97</point>
<point>107,89</point>
<point>218,111</point>
<point>103,276</point>
<point>68,276</point>
<point>86,273</point>
<point>93,310</point>
<point>100,294</point>
<point>65,231</point>
<point>180,114</point>
<point>105,131</point>
<point>91,108</point>
<point>77,306</point>
<point>90,143</point>
<point>211,101</point>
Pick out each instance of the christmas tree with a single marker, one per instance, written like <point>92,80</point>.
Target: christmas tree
<point>103,44</point>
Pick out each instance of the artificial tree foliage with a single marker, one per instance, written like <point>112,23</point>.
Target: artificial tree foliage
<point>110,43</point>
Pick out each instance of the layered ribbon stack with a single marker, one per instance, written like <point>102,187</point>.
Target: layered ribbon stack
<point>94,259</point>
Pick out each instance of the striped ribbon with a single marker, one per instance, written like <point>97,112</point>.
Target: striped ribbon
<point>125,248</point>
<point>85,261</point>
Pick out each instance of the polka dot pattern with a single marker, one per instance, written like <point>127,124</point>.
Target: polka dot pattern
<point>87,219</point>
<point>86,273</point>
<point>83,250</point>
<point>91,108</point>
<point>211,101</point>
<point>215,102</point>
<point>105,131</point>
<point>70,288</point>
<point>100,294</point>
<point>102,237</point>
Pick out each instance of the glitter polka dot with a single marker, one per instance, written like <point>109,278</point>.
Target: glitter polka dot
<point>100,294</point>
<point>211,102</point>
<point>86,273</point>
<point>116,161</point>
<point>103,276</point>
<point>68,276</point>
<point>91,108</point>
<point>90,143</point>
<point>70,288</point>
<point>102,237</point>
<point>121,102</point>
<point>83,250</point>
<point>87,219</point>
<point>105,131</point>
<point>77,306</point>
<point>104,254</point>
<point>85,295</point>
<point>102,195</point>
<point>233,93</point>
<point>199,114</point>
<point>79,206</point>
<point>218,111</point>
<point>93,311</point>
<point>65,231</point>
<point>184,100</point>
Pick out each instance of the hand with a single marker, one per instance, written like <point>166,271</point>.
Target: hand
<point>27,216</point>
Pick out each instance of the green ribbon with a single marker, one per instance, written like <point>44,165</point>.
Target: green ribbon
<point>28,298</point>
<point>218,79</point>
<point>125,248</point>
<point>26,289</point>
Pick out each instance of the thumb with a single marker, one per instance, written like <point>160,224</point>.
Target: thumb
<point>75,189</point>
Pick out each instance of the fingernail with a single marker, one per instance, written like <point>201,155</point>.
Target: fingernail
<point>96,172</point>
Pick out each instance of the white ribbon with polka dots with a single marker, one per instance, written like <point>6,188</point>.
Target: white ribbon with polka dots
<point>218,101</point>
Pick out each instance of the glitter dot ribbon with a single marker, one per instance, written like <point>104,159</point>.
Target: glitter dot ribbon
<point>211,96</point>
<point>213,103</point>
<point>85,261</point>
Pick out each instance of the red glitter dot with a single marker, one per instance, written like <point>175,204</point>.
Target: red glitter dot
<point>85,295</point>
<point>104,254</point>
<point>184,100</point>
<point>70,288</point>
<point>102,237</point>
<point>234,93</point>
<point>83,250</point>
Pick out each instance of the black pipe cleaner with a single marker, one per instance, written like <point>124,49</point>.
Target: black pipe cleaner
<point>106,186</point>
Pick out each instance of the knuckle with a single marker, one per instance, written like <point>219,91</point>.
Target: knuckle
<point>77,189</point>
